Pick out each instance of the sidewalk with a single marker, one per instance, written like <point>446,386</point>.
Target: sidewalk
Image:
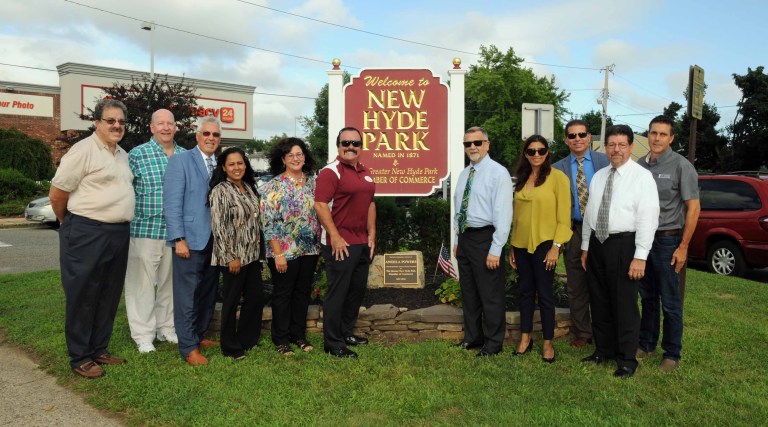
<point>31,397</point>
<point>18,222</point>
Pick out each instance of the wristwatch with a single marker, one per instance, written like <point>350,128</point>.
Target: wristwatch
<point>557,245</point>
<point>178,239</point>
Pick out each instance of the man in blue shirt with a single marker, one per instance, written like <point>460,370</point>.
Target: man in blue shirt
<point>579,167</point>
<point>483,200</point>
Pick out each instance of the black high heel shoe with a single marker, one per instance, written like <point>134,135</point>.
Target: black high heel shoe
<point>548,359</point>
<point>527,349</point>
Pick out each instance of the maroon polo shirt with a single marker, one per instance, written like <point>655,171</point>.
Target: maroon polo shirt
<point>348,192</point>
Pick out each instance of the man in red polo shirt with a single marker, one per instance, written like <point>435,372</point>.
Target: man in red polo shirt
<point>345,207</point>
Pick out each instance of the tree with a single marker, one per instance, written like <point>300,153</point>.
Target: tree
<point>316,126</point>
<point>496,88</point>
<point>142,97</point>
<point>594,121</point>
<point>749,131</point>
<point>712,152</point>
<point>30,156</point>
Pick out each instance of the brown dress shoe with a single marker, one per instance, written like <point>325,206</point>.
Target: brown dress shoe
<point>206,343</point>
<point>195,358</point>
<point>581,342</point>
<point>89,370</point>
<point>108,359</point>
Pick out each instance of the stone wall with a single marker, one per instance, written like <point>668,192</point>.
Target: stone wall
<point>387,323</point>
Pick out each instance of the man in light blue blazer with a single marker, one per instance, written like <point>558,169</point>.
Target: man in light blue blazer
<point>188,216</point>
<point>579,167</point>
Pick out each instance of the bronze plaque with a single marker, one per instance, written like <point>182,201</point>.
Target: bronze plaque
<point>400,270</point>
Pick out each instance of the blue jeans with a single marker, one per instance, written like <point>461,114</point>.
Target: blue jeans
<point>661,282</point>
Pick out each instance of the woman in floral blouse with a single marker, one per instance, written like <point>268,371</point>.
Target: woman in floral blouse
<point>235,223</point>
<point>292,232</point>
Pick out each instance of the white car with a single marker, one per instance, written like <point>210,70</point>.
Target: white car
<point>40,210</point>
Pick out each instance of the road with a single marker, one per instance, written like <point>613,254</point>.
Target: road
<point>28,249</point>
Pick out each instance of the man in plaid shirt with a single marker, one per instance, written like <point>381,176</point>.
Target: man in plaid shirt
<point>150,310</point>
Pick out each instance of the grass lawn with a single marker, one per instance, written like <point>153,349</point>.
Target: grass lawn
<point>721,379</point>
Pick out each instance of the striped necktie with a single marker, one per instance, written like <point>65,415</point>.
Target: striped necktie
<point>581,186</point>
<point>465,201</point>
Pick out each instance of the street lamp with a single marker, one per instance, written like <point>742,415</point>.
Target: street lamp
<point>150,26</point>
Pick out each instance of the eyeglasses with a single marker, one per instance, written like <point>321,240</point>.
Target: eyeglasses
<point>209,133</point>
<point>352,143</point>
<point>532,151</point>
<point>621,147</point>
<point>294,156</point>
<point>477,143</point>
<point>111,122</point>
<point>580,135</point>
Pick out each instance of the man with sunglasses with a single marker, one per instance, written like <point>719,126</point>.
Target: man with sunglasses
<point>344,204</point>
<point>92,197</point>
<point>579,166</point>
<point>188,217</point>
<point>483,200</point>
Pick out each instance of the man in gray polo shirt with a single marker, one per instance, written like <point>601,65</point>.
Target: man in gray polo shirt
<point>677,183</point>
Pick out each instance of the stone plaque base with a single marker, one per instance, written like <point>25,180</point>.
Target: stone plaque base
<point>376,273</point>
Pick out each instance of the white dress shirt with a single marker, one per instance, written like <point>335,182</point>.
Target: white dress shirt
<point>634,206</point>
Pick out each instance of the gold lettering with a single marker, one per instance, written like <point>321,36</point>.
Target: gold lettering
<point>370,122</point>
<point>405,124</point>
<point>368,137</point>
<point>392,99</point>
<point>411,98</point>
<point>400,139</point>
<point>389,118</point>
<point>421,120</point>
<point>383,140</point>
<point>372,97</point>
<point>418,139</point>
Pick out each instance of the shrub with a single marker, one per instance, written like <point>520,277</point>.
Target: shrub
<point>430,223</point>
<point>449,292</point>
<point>392,231</point>
<point>14,185</point>
<point>30,156</point>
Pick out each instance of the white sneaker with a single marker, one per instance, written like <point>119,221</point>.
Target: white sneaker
<point>146,347</point>
<point>168,336</point>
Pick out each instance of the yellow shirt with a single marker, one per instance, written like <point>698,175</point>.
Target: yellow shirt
<point>542,213</point>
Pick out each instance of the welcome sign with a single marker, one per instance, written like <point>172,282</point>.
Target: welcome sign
<point>403,117</point>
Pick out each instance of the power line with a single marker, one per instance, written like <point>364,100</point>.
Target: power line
<point>399,38</point>
<point>206,36</point>
<point>642,88</point>
<point>26,66</point>
<point>255,93</point>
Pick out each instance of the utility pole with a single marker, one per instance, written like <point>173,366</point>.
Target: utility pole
<point>604,102</point>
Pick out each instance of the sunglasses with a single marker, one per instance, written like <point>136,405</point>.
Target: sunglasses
<point>352,143</point>
<point>580,135</point>
<point>533,151</point>
<point>111,122</point>
<point>477,143</point>
<point>208,133</point>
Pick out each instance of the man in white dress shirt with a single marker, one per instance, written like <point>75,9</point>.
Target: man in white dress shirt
<point>619,225</point>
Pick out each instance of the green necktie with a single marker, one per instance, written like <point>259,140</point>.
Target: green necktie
<point>465,201</point>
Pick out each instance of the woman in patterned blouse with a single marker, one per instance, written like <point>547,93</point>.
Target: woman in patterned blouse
<point>235,223</point>
<point>292,231</point>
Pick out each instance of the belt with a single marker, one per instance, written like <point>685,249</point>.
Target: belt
<point>665,233</point>
<point>574,222</point>
<point>621,235</point>
<point>473,229</point>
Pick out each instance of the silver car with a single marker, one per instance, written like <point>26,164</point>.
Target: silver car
<point>40,210</point>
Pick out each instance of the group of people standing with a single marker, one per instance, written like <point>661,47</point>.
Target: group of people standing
<point>166,223</point>
<point>622,226</point>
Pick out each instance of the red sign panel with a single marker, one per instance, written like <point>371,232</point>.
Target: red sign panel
<point>403,115</point>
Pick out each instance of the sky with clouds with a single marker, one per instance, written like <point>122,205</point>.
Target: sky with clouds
<point>285,47</point>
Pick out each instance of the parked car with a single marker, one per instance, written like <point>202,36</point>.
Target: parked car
<point>40,210</point>
<point>732,232</point>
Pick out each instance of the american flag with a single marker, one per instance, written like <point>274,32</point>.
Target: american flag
<point>444,261</point>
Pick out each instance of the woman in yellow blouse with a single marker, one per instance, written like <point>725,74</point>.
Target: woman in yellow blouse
<point>236,225</point>
<point>541,224</point>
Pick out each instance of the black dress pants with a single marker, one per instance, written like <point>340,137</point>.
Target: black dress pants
<point>93,256</point>
<point>534,279</point>
<point>613,298</point>
<point>347,282</point>
<point>290,298</point>
<point>237,336</point>
<point>482,291</point>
